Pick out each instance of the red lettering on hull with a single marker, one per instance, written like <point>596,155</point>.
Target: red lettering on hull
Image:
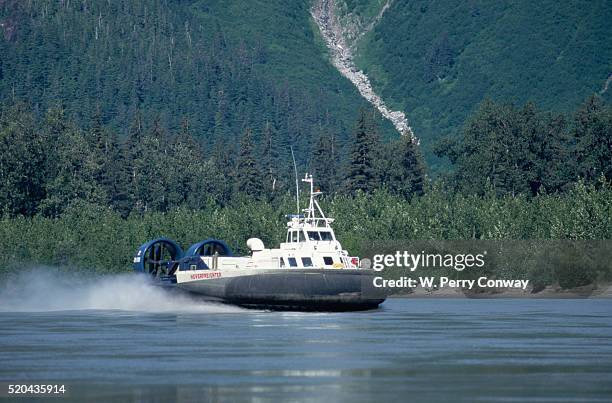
<point>200,276</point>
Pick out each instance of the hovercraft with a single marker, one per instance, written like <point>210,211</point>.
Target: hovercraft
<point>310,271</point>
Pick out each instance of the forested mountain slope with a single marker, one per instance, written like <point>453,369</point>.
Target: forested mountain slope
<point>220,65</point>
<point>437,61</point>
<point>223,66</point>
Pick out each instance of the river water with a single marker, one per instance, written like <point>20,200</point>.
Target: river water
<point>118,340</point>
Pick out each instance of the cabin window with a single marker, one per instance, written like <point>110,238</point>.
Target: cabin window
<point>292,262</point>
<point>302,237</point>
<point>294,236</point>
<point>313,236</point>
<point>328,260</point>
<point>306,262</point>
<point>326,236</point>
<point>282,262</point>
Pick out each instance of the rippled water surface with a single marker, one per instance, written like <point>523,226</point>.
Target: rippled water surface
<point>153,347</point>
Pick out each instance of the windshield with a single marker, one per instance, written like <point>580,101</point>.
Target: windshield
<point>326,236</point>
<point>313,236</point>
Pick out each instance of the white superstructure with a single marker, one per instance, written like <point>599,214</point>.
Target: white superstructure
<point>310,244</point>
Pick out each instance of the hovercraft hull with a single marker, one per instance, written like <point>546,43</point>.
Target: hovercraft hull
<point>293,289</point>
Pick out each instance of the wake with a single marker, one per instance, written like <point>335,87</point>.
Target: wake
<point>46,290</point>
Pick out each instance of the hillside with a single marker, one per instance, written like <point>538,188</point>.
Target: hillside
<point>220,65</point>
<point>223,66</point>
<point>437,61</point>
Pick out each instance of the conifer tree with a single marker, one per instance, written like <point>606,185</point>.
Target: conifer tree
<point>223,157</point>
<point>22,162</point>
<point>404,172</point>
<point>148,152</point>
<point>54,126</point>
<point>134,152</point>
<point>192,178</point>
<point>555,166</point>
<point>248,176</point>
<point>155,177</point>
<point>269,158</point>
<point>323,164</point>
<point>593,134</point>
<point>117,176</point>
<point>219,129</point>
<point>362,174</point>
<point>109,164</point>
<point>76,174</point>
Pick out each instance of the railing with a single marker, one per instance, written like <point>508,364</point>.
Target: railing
<point>319,221</point>
<point>351,262</point>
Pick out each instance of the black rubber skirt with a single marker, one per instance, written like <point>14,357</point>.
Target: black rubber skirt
<point>296,290</point>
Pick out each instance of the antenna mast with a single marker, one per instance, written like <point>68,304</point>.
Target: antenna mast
<point>297,186</point>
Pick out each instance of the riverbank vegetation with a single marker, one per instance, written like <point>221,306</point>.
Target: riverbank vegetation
<point>94,237</point>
